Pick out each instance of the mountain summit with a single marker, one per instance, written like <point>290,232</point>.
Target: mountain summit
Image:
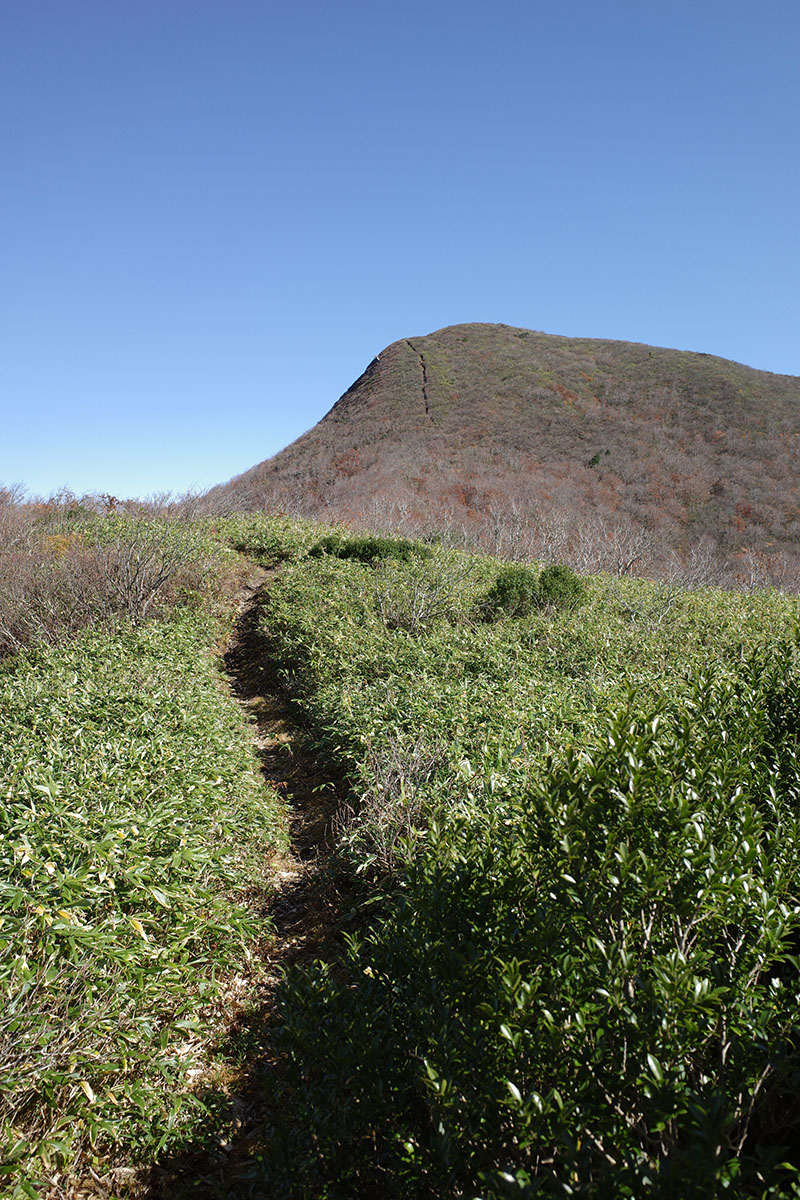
<point>475,422</point>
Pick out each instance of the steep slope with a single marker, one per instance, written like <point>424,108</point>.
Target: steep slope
<point>474,422</point>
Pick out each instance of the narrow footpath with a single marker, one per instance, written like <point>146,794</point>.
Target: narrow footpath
<point>289,766</point>
<point>304,903</point>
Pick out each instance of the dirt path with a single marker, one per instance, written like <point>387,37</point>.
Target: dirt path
<point>290,766</point>
<point>304,905</point>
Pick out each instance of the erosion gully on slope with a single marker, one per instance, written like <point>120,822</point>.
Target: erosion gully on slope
<point>304,907</point>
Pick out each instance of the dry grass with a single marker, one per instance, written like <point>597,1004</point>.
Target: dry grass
<point>64,566</point>
<point>381,821</point>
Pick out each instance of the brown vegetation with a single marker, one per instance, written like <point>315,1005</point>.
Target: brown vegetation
<point>62,568</point>
<point>608,455</point>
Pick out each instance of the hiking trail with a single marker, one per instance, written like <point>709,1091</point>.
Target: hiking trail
<point>302,900</point>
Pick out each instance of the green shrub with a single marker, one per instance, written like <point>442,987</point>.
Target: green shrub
<point>368,548</point>
<point>586,983</point>
<point>518,591</point>
<point>559,587</point>
<point>267,537</point>
<point>133,820</point>
<point>580,981</point>
<point>514,593</point>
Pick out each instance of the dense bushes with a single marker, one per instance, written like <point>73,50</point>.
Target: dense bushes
<point>369,548</point>
<point>272,539</point>
<point>133,818</point>
<point>575,971</point>
<point>559,586</point>
<point>581,979</point>
<point>585,984</point>
<point>62,567</point>
<point>514,593</point>
<point>269,539</point>
<point>518,590</point>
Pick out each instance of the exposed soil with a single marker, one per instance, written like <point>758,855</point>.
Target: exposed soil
<point>425,399</point>
<point>304,902</point>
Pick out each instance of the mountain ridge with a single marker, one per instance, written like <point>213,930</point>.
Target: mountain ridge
<point>452,428</point>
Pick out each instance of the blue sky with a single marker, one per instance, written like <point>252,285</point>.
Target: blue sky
<point>214,214</point>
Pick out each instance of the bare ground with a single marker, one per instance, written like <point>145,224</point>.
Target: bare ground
<point>304,901</point>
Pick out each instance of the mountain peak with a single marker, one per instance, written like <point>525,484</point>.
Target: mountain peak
<point>455,427</point>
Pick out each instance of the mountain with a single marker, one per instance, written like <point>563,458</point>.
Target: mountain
<point>511,433</point>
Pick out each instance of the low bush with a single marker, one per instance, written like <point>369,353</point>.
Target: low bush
<point>381,820</point>
<point>269,538</point>
<point>514,593</point>
<point>16,518</point>
<point>133,822</point>
<point>586,983</point>
<point>415,595</point>
<point>66,568</point>
<point>46,595</point>
<point>518,591</point>
<point>559,587</point>
<point>369,548</point>
<point>581,979</point>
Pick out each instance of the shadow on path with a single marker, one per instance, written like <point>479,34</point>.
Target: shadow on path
<point>305,910</point>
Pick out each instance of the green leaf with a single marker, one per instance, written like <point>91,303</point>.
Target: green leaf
<point>655,1068</point>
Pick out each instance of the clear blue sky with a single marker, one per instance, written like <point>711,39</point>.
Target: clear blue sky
<point>215,213</point>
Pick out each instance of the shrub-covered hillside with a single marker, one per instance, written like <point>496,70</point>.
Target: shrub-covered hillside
<point>610,455</point>
<point>134,835</point>
<point>565,859</point>
<point>581,821</point>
